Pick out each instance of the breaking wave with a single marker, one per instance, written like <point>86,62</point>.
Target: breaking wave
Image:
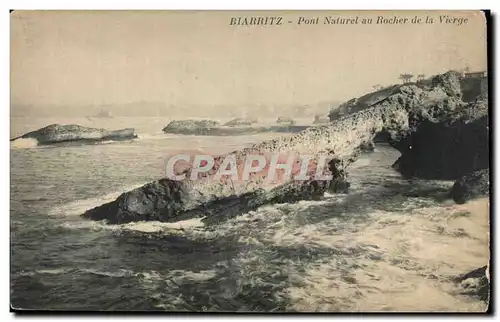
<point>24,144</point>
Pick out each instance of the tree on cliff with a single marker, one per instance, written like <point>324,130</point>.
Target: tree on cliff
<point>406,78</point>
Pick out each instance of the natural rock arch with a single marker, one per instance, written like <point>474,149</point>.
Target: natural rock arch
<point>400,115</point>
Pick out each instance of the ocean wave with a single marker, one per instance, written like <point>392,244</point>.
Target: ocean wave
<point>24,144</point>
<point>326,256</point>
<point>166,228</point>
<point>78,207</point>
<point>118,273</point>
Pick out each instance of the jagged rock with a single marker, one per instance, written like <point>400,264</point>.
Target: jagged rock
<point>395,114</point>
<point>476,184</point>
<point>196,127</point>
<point>57,133</point>
<point>152,201</point>
<point>476,283</point>
<point>169,200</point>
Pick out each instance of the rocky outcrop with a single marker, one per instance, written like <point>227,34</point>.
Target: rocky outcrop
<point>213,128</point>
<point>57,133</point>
<point>240,122</point>
<point>475,283</point>
<point>470,186</point>
<point>445,137</point>
<point>168,200</point>
<point>445,151</point>
<point>397,113</point>
<point>191,127</point>
<point>358,104</point>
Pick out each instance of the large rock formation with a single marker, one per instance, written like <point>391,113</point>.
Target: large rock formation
<point>168,200</point>
<point>445,140</point>
<point>445,151</point>
<point>57,133</point>
<point>397,113</point>
<point>449,149</point>
<point>473,185</point>
<point>213,128</point>
<point>194,127</point>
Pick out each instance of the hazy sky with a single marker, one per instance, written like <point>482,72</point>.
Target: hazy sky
<point>117,57</point>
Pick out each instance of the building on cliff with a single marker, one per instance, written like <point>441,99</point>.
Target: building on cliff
<point>479,74</point>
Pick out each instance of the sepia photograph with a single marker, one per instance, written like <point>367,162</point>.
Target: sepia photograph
<point>249,161</point>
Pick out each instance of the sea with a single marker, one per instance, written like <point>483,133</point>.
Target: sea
<point>390,244</point>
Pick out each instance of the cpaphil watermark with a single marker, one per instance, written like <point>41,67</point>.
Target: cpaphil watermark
<point>268,166</point>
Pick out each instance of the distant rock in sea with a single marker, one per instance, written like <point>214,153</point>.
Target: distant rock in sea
<point>209,127</point>
<point>57,133</point>
<point>240,121</point>
<point>192,127</point>
<point>285,120</point>
<point>104,114</point>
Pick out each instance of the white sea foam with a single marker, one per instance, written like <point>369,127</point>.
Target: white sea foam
<point>24,144</point>
<point>78,207</point>
<point>156,226</point>
<point>353,261</point>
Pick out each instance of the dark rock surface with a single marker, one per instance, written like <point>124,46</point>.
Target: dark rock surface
<point>476,184</point>
<point>397,114</point>
<point>57,133</point>
<point>476,283</point>
<point>445,151</point>
<point>168,200</point>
